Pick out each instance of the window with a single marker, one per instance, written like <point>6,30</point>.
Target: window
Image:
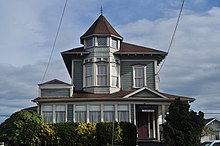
<point>109,113</point>
<point>114,75</point>
<point>101,74</point>
<point>139,76</point>
<point>94,113</point>
<point>55,92</point>
<point>114,43</point>
<point>47,111</point>
<point>89,42</point>
<point>80,113</point>
<point>123,113</point>
<point>101,41</point>
<point>88,75</point>
<point>60,113</point>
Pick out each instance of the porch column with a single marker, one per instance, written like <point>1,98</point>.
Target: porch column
<point>74,113</point>
<point>154,125</point>
<point>148,122</point>
<point>163,113</point>
<point>135,121</point>
<point>158,127</point>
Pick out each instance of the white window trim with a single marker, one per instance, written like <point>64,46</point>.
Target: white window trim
<point>107,71</point>
<point>118,74</point>
<point>133,77</point>
<point>114,39</point>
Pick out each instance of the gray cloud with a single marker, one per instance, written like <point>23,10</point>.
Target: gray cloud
<point>28,29</point>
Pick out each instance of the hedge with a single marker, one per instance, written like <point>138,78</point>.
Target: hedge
<point>86,134</point>
<point>124,134</point>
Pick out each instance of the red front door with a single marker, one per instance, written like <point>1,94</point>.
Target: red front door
<point>142,125</point>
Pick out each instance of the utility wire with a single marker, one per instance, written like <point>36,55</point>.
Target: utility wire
<point>55,40</point>
<point>174,32</point>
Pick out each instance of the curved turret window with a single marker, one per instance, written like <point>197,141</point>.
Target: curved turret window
<point>101,41</point>
<point>89,42</point>
<point>114,43</point>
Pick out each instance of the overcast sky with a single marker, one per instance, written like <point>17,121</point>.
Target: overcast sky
<point>28,28</point>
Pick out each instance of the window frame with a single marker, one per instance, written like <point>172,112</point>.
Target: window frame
<point>86,42</point>
<point>134,67</point>
<point>94,109</point>
<point>114,43</point>
<point>98,40</point>
<point>88,76</point>
<point>115,76</point>
<point>107,110</point>
<point>60,111</point>
<point>99,75</point>
<point>80,112</point>
<point>47,111</point>
<point>123,108</point>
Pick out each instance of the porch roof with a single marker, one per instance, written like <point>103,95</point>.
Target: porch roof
<point>123,95</point>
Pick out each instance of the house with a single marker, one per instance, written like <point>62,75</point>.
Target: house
<point>111,81</point>
<point>212,130</point>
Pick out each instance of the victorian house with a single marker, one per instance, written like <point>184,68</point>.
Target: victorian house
<point>112,80</point>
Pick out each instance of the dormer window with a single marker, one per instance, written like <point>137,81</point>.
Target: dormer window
<point>101,41</point>
<point>89,42</point>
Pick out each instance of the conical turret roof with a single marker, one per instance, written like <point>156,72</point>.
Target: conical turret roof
<point>100,27</point>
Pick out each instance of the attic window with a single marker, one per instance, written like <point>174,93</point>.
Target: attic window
<point>101,41</point>
<point>89,42</point>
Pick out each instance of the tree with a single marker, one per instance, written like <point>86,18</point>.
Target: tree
<point>183,127</point>
<point>22,128</point>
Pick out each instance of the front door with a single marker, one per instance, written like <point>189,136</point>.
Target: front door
<point>142,125</point>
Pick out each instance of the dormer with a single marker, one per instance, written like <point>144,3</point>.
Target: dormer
<point>55,88</point>
<point>101,34</point>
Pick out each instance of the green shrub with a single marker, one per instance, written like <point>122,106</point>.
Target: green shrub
<point>67,134</point>
<point>48,135</point>
<point>23,128</point>
<point>86,133</point>
<point>124,133</point>
<point>129,133</point>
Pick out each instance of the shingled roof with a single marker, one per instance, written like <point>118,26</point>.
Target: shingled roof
<point>100,26</point>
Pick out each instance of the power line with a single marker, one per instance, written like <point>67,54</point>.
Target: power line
<point>172,38</point>
<point>55,40</point>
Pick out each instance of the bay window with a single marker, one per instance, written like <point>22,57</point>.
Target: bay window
<point>114,75</point>
<point>101,74</point>
<point>94,113</point>
<point>80,113</point>
<point>88,75</point>
<point>47,113</point>
<point>60,113</point>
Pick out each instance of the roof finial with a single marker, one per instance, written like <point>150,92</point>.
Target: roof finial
<point>101,10</point>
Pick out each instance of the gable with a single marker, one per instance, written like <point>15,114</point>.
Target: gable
<point>145,92</point>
